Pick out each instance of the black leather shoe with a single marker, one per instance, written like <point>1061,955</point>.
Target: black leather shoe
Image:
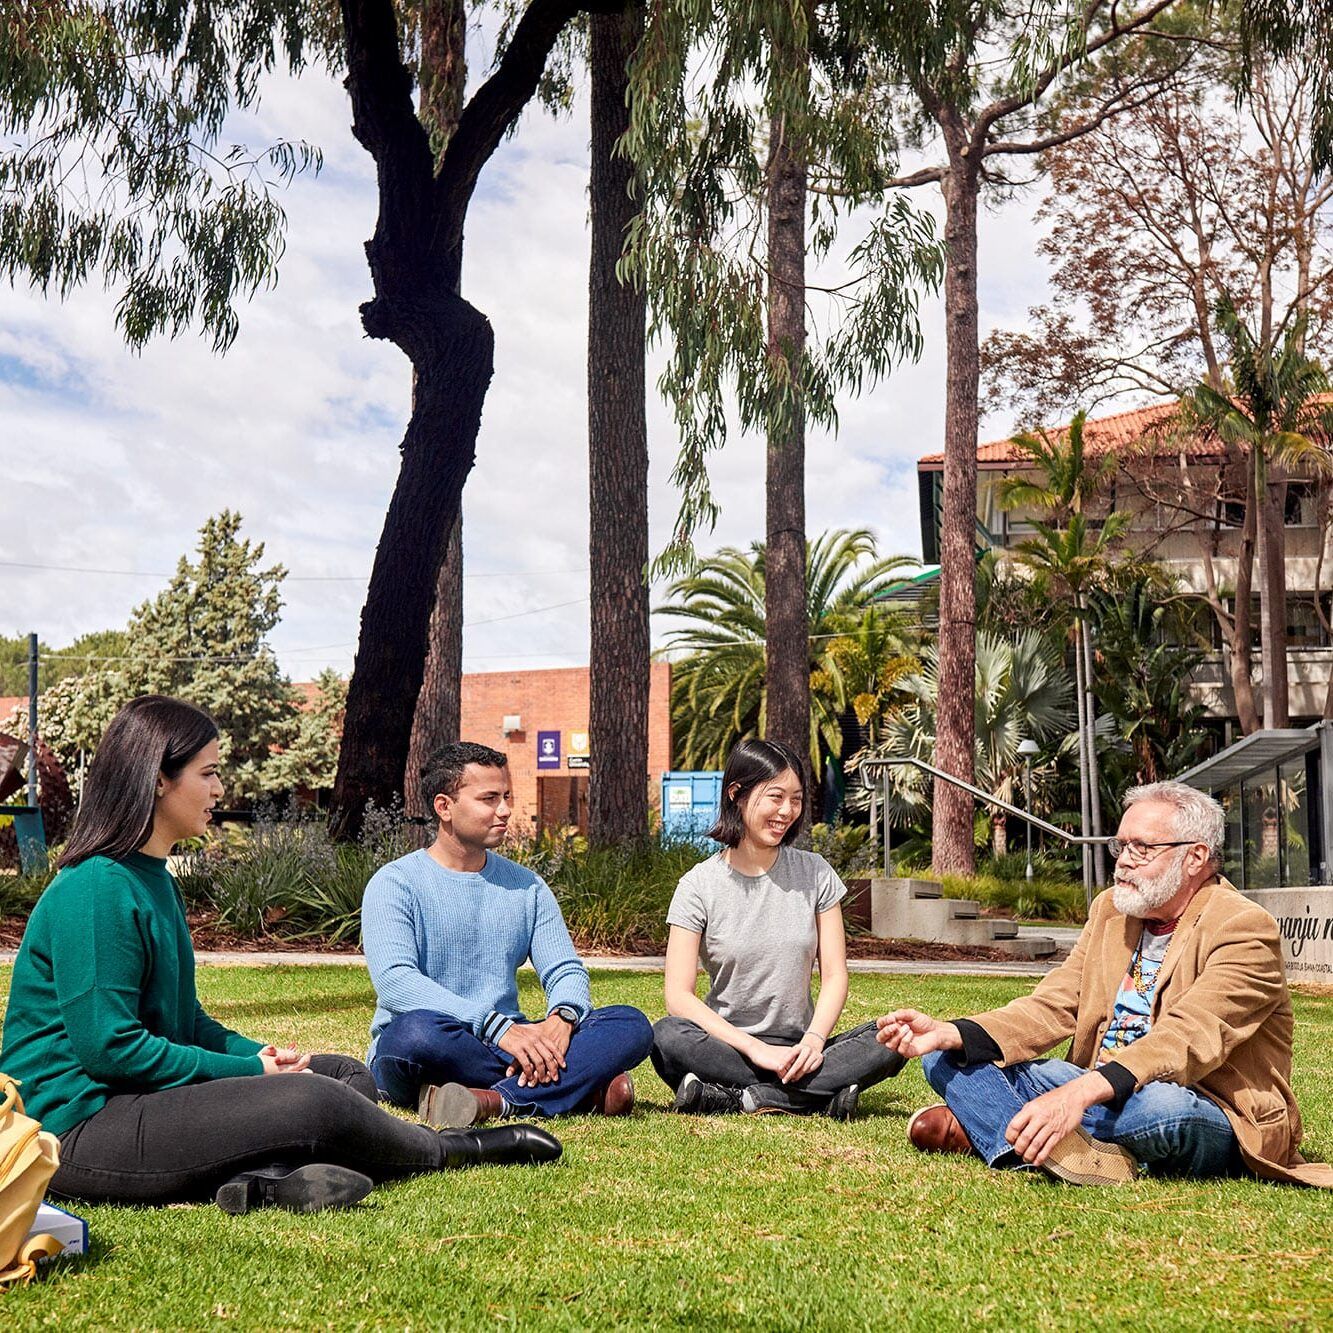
<point>505,1145</point>
<point>303,1189</point>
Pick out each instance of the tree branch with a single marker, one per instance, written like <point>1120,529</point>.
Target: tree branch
<point>497,104</point>
<point>384,120</point>
<point>1031,95</point>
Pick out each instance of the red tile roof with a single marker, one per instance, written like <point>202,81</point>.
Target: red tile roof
<point>1140,426</point>
<point>1155,428</point>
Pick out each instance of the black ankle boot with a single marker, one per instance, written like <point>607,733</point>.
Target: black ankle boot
<point>505,1145</point>
<point>303,1189</point>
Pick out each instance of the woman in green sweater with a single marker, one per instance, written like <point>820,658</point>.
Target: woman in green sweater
<point>151,1098</point>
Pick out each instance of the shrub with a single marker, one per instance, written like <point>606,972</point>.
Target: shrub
<point>847,848</point>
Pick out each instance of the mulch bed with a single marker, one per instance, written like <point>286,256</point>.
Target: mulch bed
<point>209,937</point>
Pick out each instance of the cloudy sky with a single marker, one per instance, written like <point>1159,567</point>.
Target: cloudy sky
<point>112,460</point>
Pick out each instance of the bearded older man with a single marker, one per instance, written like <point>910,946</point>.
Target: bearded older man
<point>1177,1006</point>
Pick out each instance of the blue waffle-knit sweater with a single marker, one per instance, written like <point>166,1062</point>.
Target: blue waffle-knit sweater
<point>452,941</point>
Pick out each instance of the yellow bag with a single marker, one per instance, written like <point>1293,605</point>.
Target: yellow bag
<point>28,1159</point>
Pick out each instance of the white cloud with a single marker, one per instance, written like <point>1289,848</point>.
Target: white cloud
<point>113,460</point>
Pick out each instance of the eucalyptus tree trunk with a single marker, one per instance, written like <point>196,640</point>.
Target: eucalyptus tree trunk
<point>786,616</point>
<point>617,460</point>
<point>437,717</point>
<point>955,735</point>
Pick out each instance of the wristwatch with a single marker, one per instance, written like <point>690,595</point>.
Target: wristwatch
<point>568,1013</point>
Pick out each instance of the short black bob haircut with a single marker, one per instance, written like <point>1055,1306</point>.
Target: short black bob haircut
<point>152,736</point>
<point>750,764</point>
<point>443,771</point>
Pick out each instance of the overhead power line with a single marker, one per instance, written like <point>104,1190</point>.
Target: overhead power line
<point>290,578</point>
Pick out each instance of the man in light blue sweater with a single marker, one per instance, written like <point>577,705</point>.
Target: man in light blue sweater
<point>445,931</point>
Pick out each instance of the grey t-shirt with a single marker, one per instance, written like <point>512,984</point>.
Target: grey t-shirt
<point>757,937</point>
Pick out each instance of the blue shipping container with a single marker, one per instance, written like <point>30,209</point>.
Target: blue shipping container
<point>690,803</point>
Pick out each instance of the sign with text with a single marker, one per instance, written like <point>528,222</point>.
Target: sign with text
<point>548,749</point>
<point>578,761</point>
<point>1305,924</point>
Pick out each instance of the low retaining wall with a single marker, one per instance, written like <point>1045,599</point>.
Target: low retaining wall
<point>1305,922</point>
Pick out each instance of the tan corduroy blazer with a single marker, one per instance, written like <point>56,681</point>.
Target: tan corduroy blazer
<point>1221,1019</point>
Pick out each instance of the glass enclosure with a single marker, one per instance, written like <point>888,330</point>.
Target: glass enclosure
<point>1272,826</point>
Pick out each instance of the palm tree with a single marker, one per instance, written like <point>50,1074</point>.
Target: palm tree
<point>1275,413</point>
<point>1146,670</point>
<point>872,658</point>
<point>1072,556</point>
<point>1021,690</point>
<point>719,688</point>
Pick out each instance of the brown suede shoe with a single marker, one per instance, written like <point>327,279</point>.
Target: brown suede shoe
<point>936,1129</point>
<point>452,1106</point>
<point>616,1098</point>
<point>1079,1159</point>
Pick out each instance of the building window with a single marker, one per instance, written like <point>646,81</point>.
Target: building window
<point>1302,505</point>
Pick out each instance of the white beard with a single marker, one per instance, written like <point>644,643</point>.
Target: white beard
<point>1138,899</point>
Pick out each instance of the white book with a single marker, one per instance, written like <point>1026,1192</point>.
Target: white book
<point>70,1231</point>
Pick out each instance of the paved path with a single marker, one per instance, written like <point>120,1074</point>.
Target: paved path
<point>648,963</point>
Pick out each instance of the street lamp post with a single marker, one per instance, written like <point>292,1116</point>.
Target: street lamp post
<point>1027,749</point>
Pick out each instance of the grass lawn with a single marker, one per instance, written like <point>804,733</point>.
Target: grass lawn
<point>665,1221</point>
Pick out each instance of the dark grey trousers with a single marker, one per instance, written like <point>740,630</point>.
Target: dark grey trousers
<point>681,1047</point>
<point>182,1143</point>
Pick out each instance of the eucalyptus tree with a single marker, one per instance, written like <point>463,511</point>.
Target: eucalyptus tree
<point>117,106</point>
<point>978,75</point>
<point>734,107</point>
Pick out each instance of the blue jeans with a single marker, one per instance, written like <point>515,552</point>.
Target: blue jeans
<point>424,1046</point>
<point>1170,1129</point>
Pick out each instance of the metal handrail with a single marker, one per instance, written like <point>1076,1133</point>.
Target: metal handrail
<point>987,797</point>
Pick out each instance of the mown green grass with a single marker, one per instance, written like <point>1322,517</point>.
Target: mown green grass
<point>671,1222</point>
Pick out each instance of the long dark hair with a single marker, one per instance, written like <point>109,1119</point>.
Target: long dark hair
<point>749,765</point>
<point>151,736</point>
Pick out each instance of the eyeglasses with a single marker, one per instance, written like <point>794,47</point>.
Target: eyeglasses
<point>1140,851</point>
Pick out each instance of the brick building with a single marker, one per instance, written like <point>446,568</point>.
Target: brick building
<point>523,712</point>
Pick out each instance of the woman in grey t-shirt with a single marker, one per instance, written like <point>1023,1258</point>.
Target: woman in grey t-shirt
<point>758,915</point>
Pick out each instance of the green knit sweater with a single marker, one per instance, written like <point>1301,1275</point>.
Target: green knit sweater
<point>102,999</point>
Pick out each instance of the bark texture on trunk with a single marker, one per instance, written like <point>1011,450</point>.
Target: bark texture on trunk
<point>415,258</point>
<point>786,616</point>
<point>620,648</point>
<point>436,719</point>
<point>438,714</point>
<point>955,735</point>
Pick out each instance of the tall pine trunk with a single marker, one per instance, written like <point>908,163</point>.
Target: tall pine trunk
<point>617,461</point>
<point>786,616</point>
<point>955,736</point>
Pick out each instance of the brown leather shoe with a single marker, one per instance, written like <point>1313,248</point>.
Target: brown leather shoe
<point>616,1097</point>
<point>936,1129</point>
<point>452,1106</point>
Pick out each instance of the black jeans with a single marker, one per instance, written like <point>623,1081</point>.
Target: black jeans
<point>681,1047</point>
<point>182,1143</point>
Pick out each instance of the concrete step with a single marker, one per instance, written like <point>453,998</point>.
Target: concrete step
<point>1003,929</point>
<point>1026,946</point>
<point>963,909</point>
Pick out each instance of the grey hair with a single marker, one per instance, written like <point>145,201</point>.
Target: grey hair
<point>1198,816</point>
